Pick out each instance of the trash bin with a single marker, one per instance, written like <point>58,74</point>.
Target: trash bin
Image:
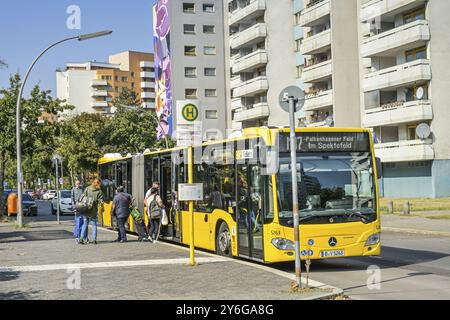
<point>12,204</point>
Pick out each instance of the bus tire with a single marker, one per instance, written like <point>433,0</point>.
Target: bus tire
<point>223,241</point>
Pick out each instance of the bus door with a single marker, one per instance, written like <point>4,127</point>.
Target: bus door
<point>249,208</point>
<point>167,188</point>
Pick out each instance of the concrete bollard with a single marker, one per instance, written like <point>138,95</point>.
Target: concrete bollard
<point>390,207</point>
<point>406,208</point>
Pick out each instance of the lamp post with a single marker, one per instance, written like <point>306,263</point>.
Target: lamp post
<point>19,119</point>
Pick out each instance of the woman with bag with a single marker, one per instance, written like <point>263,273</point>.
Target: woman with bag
<point>155,206</point>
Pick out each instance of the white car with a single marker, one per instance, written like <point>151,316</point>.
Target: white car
<point>65,203</point>
<point>49,195</point>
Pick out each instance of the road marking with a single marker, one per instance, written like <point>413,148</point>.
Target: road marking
<point>115,264</point>
<point>416,231</point>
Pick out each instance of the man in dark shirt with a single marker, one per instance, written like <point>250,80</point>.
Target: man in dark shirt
<point>121,210</point>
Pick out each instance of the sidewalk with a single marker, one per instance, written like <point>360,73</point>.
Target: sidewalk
<point>417,224</point>
<point>38,263</point>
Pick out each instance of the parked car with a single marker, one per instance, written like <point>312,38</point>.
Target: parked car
<point>49,195</point>
<point>29,206</point>
<point>66,206</point>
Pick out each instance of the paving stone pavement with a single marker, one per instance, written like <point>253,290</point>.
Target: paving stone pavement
<point>49,244</point>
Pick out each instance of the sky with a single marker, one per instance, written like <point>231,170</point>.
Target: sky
<point>29,26</point>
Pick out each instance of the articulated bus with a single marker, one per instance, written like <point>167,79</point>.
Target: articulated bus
<point>246,211</point>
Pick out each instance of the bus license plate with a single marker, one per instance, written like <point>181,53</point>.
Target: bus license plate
<point>333,254</point>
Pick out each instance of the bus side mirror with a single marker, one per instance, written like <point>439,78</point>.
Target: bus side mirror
<point>379,168</point>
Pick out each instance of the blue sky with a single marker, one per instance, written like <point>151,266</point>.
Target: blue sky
<point>28,26</point>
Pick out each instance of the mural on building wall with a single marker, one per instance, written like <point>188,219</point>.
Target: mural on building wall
<point>163,89</point>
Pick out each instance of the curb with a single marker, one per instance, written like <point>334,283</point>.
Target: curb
<point>312,283</point>
<point>416,231</point>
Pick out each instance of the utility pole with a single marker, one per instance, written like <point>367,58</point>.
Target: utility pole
<point>56,159</point>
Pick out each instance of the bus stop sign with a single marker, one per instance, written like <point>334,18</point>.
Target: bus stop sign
<point>190,192</point>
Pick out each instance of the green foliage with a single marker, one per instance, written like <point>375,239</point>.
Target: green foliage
<point>3,63</point>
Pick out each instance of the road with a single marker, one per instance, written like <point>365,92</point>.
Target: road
<point>413,266</point>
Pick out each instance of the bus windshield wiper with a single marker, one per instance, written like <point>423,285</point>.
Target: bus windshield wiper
<point>350,214</point>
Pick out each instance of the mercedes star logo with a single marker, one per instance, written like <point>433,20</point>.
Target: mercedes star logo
<point>332,242</point>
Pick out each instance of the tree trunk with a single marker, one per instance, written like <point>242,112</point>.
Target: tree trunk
<point>2,179</point>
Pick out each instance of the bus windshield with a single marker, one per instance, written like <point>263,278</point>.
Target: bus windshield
<point>339,185</point>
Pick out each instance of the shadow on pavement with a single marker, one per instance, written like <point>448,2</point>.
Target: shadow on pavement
<point>8,276</point>
<point>25,236</point>
<point>391,257</point>
<point>17,295</point>
<point>410,275</point>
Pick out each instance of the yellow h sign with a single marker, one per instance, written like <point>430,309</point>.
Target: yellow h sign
<point>190,112</point>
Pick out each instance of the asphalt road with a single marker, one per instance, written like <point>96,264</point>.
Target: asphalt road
<point>412,266</point>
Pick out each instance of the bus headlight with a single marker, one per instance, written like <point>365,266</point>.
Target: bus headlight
<point>373,239</point>
<point>283,244</point>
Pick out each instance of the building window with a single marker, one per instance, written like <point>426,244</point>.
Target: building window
<point>190,51</point>
<point>108,78</point>
<point>299,71</point>
<point>211,114</point>
<point>209,51</point>
<point>190,72</point>
<point>416,54</point>
<point>116,89</point>
<point>124,79</point>
<point>132,74</point>
<point>208,7</point>
<point>116,78</point>
<point>190,93</point>
<point>189,28</point>
<point>418,14</point>
<point>412,135</point>
<point>411,93</point>
<point>188,7</point>
<point>209,29</point>
<point>210,72</point>
<point>132,85</point>
<point>210,93</point>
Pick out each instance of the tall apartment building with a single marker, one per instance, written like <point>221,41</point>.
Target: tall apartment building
<point>190,63</point>
<point>92,86</point>
<point>262,60</point>
<point>331,68</point>
<point>405,81</point>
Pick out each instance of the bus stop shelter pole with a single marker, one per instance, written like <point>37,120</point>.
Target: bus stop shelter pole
<point>295,206</point>
<point>191,208</point>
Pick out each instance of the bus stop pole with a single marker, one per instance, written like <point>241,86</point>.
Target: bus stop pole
<point>57,190</point>
<point>191,209</point>
<point>295,207</point>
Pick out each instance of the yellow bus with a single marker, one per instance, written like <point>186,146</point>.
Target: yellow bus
<point>247,207</point>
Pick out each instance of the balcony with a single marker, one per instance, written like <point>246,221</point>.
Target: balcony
<point>235,82</point>
<point>148,105</point>
<point>317,124</point>
<point>317,72</point>
<point>389,43</point>
<point>317,43</point>
<point>236,104</point>
<point>147,85</point>
<point>99,104</point>
<point>413,111</point>
<point>148,95</point>
<point>147,74</point>
<point>250,62</point>
<point>249,36</point>
<point>316,14</point>
<point>99,93</point>
<point>147,64</point>
<point>258,111</point>
<point>242,15</point>
<point>99,83</point>
<point>401,151</point>
<point>387,8</point>
<point>251,87</point>
<point>317,101</point>
<point>398,76</point>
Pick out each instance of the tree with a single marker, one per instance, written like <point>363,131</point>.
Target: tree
<point>81,144</point>
<point>37,136</point>
<point>132,129</point>
<point>3,63</point>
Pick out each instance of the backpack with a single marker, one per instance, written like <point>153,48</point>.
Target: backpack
<point>155,210</point>
<point>86,202</point>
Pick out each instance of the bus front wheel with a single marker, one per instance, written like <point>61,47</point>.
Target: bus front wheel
<point>223,241</point>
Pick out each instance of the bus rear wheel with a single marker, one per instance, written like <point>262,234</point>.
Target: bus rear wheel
<point>223,241</point>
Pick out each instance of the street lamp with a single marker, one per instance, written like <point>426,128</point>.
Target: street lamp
<point>19,120</point>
